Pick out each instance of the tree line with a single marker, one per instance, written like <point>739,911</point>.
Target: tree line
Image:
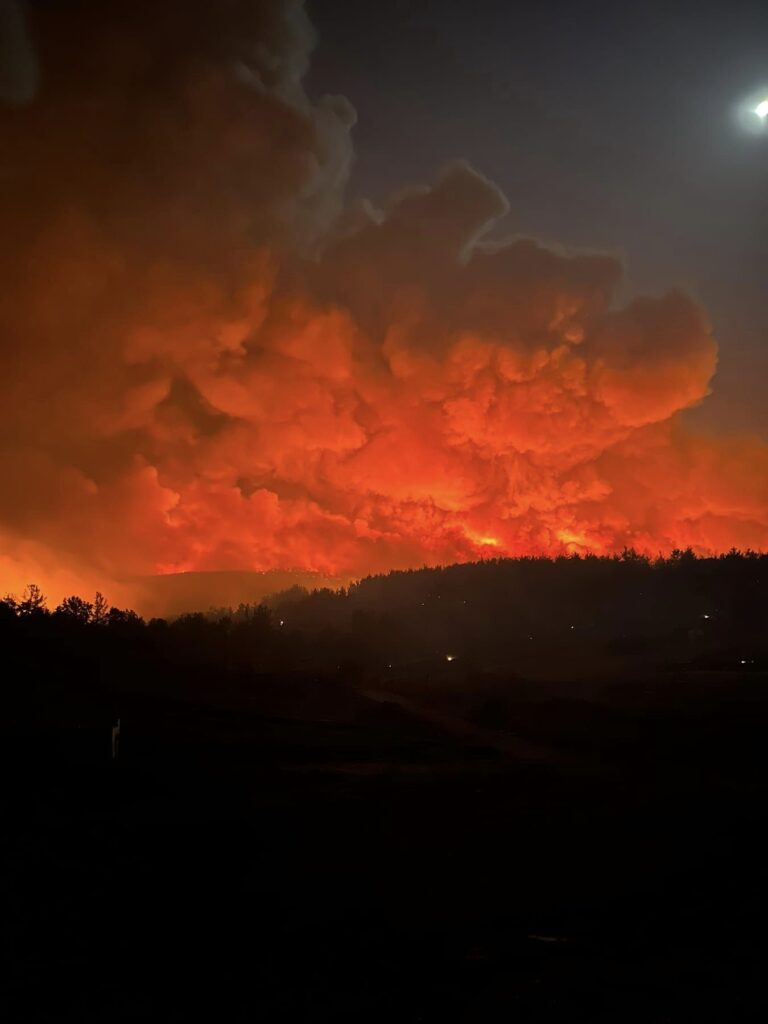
<point>498,613</point>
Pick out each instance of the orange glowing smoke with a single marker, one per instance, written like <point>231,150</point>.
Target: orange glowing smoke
<point>209,363</point>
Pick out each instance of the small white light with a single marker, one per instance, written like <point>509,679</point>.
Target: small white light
<point>762,109</point>
<point>450,657</point>
<point>282,622</point>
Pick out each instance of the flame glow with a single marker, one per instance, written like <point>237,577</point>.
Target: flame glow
<point>209,363</point>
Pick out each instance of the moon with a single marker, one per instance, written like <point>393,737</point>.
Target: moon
<point>751,112</point>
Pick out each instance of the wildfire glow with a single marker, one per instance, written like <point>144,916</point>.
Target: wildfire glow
<point>574,540</point>
<point>209,363</point>
<point>482,541</point>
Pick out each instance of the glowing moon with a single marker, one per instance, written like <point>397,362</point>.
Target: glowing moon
<point>751,112</point>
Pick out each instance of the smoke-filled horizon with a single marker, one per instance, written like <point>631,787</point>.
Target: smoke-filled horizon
<point>210,362</point>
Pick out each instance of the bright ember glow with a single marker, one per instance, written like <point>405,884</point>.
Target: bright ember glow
<point>209,363</point>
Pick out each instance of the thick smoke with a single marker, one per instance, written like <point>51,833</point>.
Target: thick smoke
<point>18,66</point>
<point>209,363</point>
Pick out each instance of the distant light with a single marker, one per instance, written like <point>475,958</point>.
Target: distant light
<point>706,616</point>
<point>573,627</point>
<point>282,622</point>
<point>752,111</point>
<point>450,657</point>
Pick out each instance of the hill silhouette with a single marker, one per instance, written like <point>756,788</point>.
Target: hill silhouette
<point>309,797</point>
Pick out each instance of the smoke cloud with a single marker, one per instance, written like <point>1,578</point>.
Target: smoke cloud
<point>18,66</point>
<point>210,363</point>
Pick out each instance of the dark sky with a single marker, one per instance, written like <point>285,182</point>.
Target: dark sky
<point>608,125</point>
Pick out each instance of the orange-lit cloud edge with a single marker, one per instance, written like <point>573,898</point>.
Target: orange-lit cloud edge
<point>211,363</point>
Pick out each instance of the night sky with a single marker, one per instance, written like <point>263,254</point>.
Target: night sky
<point>608,126</point>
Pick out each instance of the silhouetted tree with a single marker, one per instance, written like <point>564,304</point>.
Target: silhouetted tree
<point>682,557</point>
<point>32,601</point>
<point>117,617</point>
<point>100,610</point>
<point>75,608</point>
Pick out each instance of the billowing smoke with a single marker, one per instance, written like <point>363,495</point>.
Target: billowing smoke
<point>209,363</point>
<point>18,65</point>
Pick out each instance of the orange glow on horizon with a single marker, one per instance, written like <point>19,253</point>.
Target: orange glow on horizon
<point>211,363</point>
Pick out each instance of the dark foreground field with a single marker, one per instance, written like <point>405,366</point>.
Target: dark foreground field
<point>523,858</point>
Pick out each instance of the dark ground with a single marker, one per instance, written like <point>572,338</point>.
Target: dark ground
<point>387,867</point>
